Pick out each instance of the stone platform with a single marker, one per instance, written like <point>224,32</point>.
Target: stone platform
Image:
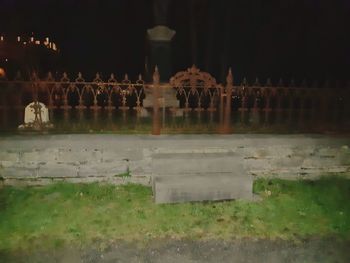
<point>202,187</point>
<point>206,174</point>
<point>178,163</point>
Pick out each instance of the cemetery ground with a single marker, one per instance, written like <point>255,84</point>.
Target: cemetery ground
<point>123,223</point>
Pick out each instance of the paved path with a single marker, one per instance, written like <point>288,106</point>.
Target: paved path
<point>171,251</point>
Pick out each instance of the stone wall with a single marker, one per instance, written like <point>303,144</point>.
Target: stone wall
<point>35,160</point>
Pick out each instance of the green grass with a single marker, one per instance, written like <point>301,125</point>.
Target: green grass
<point>76,214</point>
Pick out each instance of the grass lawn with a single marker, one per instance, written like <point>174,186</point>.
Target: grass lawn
<point>77,214</point>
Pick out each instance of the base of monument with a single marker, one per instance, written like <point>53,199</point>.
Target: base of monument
<point>202,187</point>
<point>36,127</point>
<point>187,175</point>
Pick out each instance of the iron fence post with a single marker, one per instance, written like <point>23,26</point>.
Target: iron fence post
<point>156,80</point>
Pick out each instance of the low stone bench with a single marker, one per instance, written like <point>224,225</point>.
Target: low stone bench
<point>199,175</point>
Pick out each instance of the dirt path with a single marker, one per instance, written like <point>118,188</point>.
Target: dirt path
<point>168,251</point>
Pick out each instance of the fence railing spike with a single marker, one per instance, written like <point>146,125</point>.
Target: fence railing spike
<point>18,75</point>
<point>292,83</point>
<point>280,82</point>
<point>229,78</point>
<point>64,77</point>
<point>304,83</point>
<point>268,82</point>
<point>256,83</point>
<point>315,84</point>
<point>156,75</point>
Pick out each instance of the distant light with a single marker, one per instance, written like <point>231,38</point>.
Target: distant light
<point>18,39</point>
<point>47,40</point>
<point>24,43</point>
<point>2,38</point>
<point>32,39</point>
<point>6,59</point>
<point>37,42</point>
<point>2,73</point>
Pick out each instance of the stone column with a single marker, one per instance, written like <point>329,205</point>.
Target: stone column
<point>156,121</point>
<point>159,42</point>
<point>227,119</point>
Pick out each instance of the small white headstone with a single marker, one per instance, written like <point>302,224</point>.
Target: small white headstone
<point>29,113</point>
<point>143,112</point>
<point>179,112</point>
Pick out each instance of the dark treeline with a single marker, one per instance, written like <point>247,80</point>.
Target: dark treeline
<point>288,39</point>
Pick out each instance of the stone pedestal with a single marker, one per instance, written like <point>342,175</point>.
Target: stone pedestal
<point>199,175</point>
<point>36,117</point>
<point>159,39</point>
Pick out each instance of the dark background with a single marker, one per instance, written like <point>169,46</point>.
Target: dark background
<point>263,38</point>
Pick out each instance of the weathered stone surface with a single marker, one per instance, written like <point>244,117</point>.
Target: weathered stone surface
<point>38,181</point>
<point>251,164</point>
<point>58,170</point>
<point>172,164</point>
<point>79,155</point>
<point>200,187</point>
<point>19,172</point>
<point>315,161</point>
<point>9,156</point>
<point>140,167</point>
<point>56,157</point>
<point>103,169</point>
<point>34,156</point>
<point>28,181</point>
<point>290,162</point>
<point>6,164</point>
<point>197,175</point>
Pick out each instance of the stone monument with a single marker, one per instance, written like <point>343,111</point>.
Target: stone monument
<point>159,39</point>
<point>209,174</point>
<point>36,117</point>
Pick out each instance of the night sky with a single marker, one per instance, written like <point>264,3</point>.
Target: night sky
<point>263,38</point>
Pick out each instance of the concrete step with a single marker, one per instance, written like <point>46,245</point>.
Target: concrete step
<point>199,175</point>
<point>194,163</point>
<point>202,187</point>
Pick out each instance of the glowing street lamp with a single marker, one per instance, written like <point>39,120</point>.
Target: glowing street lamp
<point>2,73</point>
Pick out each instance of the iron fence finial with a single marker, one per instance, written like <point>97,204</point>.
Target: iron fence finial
<point>18,75</point>
<point>156,75</point>
<point>304,83</point>
<point>256,83</point>
<point>229,78</point>
<point>292,83</point>
<point>268,82</point>
<point>280,82</point>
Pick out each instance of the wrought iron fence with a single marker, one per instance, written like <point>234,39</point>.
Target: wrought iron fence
<point>78,93</point>
<point>187,91</point>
